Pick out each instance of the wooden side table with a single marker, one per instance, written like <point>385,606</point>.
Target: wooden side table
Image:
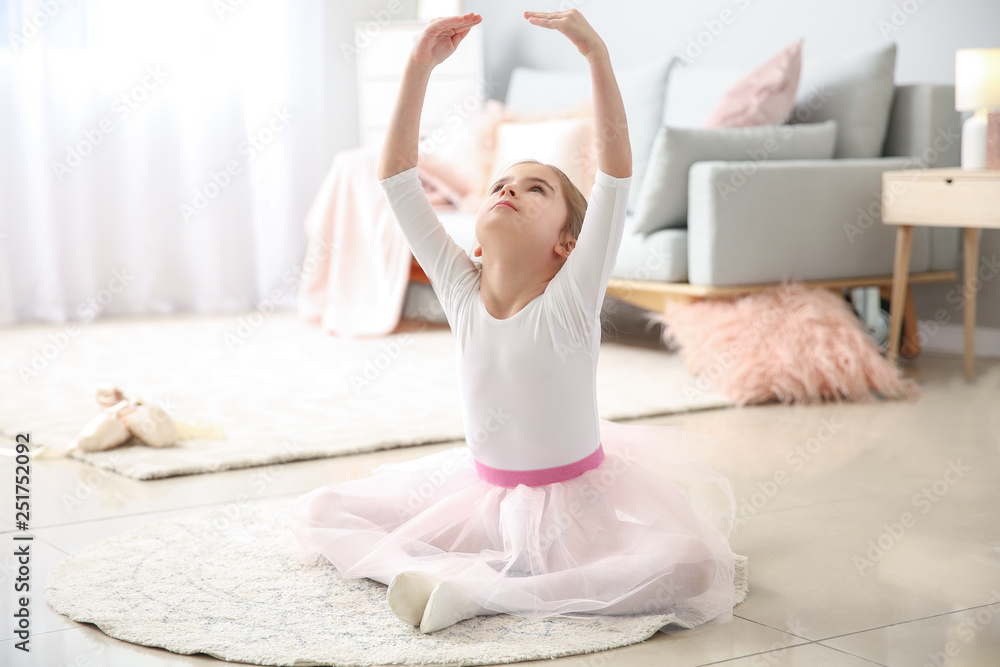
<point>966,198</point>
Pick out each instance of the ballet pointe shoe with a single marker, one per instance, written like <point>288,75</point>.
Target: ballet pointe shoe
<point>101,433</point>
<point>447,606</point>
<point>151,425</point>
<point>148,423</point>
<point>408,594</point>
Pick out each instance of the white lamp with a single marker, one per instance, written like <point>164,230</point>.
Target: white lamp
<point>977,89</point>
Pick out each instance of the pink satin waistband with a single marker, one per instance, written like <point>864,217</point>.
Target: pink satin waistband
<point>542,476</point>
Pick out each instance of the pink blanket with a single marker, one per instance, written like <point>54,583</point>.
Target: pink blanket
<point>357,264</point>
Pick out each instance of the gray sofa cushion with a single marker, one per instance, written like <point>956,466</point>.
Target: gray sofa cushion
<point>660,256</point>
<point>855,89</point>
<point>924,124</point>
<point>663,198</point>
<point>795,220</point>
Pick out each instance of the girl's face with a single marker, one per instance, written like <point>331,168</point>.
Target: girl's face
<point>525,210</point>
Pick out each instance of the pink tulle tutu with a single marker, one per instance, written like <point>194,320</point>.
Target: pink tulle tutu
<point>645,532</point>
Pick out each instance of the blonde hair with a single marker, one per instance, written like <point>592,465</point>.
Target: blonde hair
<point>576,203</point>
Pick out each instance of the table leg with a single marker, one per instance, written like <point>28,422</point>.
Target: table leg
<point>971,246</point>
<point>909,346</point>
<point>900,275</point>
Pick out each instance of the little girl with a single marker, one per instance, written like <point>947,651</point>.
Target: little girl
<point>548,510</point>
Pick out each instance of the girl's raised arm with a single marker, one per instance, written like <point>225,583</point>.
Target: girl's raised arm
<point>438,41</point>
<point>614,153</point>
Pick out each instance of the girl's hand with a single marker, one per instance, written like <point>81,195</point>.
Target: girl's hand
<point>572,24</point>
<point>614,153</point>
<point>441,37</point>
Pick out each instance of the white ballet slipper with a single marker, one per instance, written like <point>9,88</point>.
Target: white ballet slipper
<point>408,594</point>
<point>150,424</point>
<point>101,433</point>
<point>447,606</point>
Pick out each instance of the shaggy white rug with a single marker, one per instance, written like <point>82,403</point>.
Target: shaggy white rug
<point>225,583</point>
<point>283,390</point>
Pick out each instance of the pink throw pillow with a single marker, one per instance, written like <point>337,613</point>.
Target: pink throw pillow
<point>766,96</point>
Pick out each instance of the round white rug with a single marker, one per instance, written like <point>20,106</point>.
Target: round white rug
<point>226,583</point>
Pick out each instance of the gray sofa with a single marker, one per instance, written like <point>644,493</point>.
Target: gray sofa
<point>805,219</point>
<point>795,219</point>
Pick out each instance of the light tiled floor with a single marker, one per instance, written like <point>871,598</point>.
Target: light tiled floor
<point>835,576</point>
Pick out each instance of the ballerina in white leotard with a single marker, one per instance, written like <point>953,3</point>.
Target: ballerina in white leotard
<point>547,510</point>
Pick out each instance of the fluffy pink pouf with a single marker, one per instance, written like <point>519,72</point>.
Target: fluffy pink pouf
<point>790,344</point>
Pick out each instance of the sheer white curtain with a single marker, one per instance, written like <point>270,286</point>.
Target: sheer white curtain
<point>155,156</point>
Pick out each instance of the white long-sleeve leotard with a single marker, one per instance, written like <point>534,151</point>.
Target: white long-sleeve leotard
<point>528,382</point>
